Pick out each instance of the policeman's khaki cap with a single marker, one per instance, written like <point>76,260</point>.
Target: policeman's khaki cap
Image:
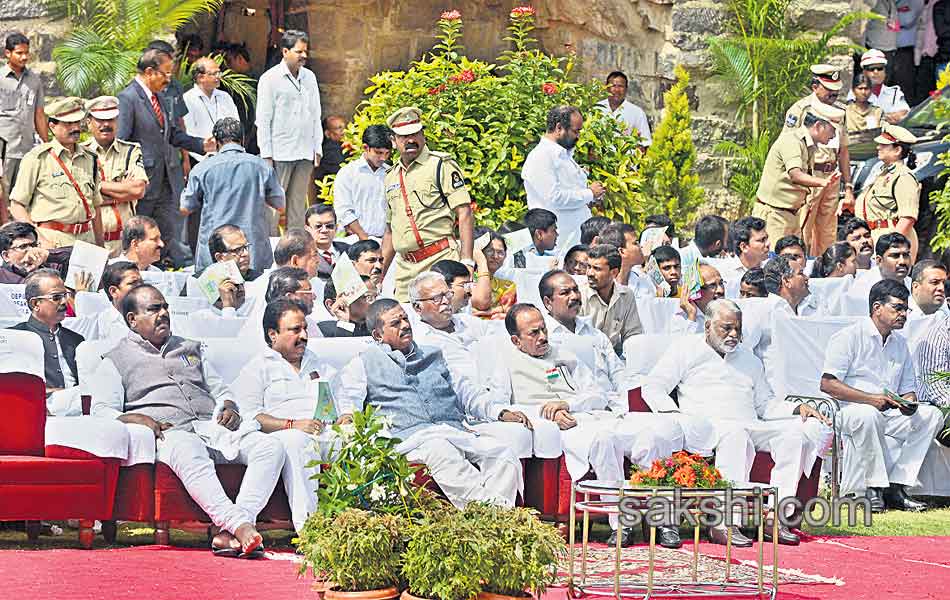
<point>892,134</point>
<point>67,110</point>
<point>873,57</point>
<point>103,107</point>
<point>405,121</point>
<point>826,112</point>
<point>828,75</point>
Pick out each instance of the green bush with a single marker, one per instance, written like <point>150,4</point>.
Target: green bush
<point>489,116</point>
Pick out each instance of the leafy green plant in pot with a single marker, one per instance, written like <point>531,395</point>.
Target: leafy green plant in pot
<point>522,553</point>
<point>444,558</point>
<point>360,551</point>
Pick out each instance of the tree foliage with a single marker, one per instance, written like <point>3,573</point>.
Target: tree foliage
<point>490,115</point>
<point>669,184</point>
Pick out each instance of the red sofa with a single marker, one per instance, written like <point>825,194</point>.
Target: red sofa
<point>47,482</point>
<point>548,484</point>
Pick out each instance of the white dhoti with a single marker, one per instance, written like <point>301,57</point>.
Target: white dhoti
<point>515,436</point>
<point>301,449</point>
<point>881,448</point>
<point>645,437</point>
<point>468,467</point>
<point>192,460</point>
<point>793,444</point>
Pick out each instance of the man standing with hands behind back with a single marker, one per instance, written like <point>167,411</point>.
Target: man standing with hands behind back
<point>289,131</point>
<point>425,196</point>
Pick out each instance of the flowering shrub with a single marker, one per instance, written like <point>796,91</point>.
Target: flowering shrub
<point>489,116</point>
<point>680,470</point>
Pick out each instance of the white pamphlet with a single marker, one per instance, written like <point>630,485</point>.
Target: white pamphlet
<point>86,258</point>
<point>347,280</point>
<point>482,241</point>
<point>518,240</point>
<point>211,278</point>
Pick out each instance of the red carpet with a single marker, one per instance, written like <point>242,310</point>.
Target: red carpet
<point>870,567</point>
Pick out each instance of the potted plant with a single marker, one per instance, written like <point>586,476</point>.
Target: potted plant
<point>521,553</point>
<point>444,558</point>
<point>359,551</point>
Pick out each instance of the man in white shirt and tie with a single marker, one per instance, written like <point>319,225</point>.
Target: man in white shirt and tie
<point>206,103</point>
<point>359,195</point>
<point>289,131</point>
<point>553,180</point>
<point>616,105</point>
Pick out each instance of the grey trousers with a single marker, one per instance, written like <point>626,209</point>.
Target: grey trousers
<point>294,177</point>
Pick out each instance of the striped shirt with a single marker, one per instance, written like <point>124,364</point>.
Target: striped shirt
<point>933,355</point>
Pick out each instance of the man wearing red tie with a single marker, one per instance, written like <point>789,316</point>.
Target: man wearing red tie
<point>321,223</point>
<point>144,119</point>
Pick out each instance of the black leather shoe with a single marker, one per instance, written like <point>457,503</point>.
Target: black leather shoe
<point>876,498</point>
<point>626,539</point>
<point>717,535</point>
<point>668,537</point>
<point>785,537</point>
<point>896,497</point>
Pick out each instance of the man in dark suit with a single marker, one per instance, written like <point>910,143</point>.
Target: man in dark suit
<point>350,314</point>
<point>321,223</point>
<point>145,118</point>
<point>47,297</point>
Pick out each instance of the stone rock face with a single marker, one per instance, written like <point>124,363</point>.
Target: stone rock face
<point>21,9</point>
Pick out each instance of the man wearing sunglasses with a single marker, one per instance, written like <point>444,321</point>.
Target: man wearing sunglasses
<point>47,297</point>
<point>889,98</point>
<point>21,254</point>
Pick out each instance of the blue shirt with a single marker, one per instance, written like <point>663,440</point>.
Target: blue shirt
<point>235,188</point>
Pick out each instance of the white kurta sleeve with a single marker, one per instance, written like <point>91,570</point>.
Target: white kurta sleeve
<point>838,355</point>
<point>663,379</point>
<point>317,120</point>
<point>249,388</point>
<point>589,395</point>
<point>216,386</point>
<point>349,389</point>
<point>265,116</point>
<point>343,193</point>
<point>539,176</point>
<point>908,375</point>
<point>108,395</point>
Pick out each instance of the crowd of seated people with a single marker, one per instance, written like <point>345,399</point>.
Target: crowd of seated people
<point>513,359</point>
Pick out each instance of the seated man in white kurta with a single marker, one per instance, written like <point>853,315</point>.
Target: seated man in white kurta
<point>455,335</point>
<point>718,379</point>
<point>280,388</point>
<point>117,279</point>
<point>884,445</point>
<point>412,386</point>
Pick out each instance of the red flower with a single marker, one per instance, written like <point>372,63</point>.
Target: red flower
<point>437,90</point>
<point>450,15</point>
<point>522,11</point>
<point>549,89</point>
<point>685,476</point>
<point>468,76</point>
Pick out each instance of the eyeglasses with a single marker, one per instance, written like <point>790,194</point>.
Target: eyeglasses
<point>876,68</point>
<point>489,252</point>
<point>23,247</point>
<point>439,298</point>
<point>326,226</point>
<point>465,285</point>
<point>245,249</point>
<point>712,285</point>
<point>901,308</point>
<point>152,309</point>
<point>304,292</point>
<point>56,297</point>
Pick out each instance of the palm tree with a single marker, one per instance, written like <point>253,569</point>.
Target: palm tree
<point>100,52</point>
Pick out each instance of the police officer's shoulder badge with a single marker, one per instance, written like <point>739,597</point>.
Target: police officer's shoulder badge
<point>457,181</point>
<point>791,120</point>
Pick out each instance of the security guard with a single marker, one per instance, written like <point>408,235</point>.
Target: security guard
<point>818,217</point>
<point>788,175</point>
<point>57,188</point>
<point>426,196</point>
<point>121,170</point>
<point>890,203</point>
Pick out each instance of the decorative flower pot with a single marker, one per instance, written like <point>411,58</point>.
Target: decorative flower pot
<point>407,596</point>
<point>389,593</point>
<point>320,587</point>
<point>491,596</point>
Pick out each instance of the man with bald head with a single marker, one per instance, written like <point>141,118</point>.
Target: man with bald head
<point>412,386</point>
<point>166,383</point>
<point>206,103</point>
<point>47,297</point>
<point>690,317</point>
<point>722,382</point>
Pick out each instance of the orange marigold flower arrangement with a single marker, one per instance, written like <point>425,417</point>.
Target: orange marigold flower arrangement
<point>682,469</point>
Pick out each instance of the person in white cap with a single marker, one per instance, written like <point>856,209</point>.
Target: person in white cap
<point>890,203</point>
<point>789,174</point>
<point>818,216</point>
<point>121,170</point>
<point>889,98</point>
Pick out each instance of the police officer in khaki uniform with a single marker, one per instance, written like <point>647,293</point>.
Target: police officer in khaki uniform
<point>890,203</point>
<point>121,170</point>
<point>426,197</point>
<point>788,175</point>
<point>819,215</point>
<point>57,188</point>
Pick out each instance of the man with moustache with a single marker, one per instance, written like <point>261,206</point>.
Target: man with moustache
<point>718,380</point>
<point>426,197</point>
<point>869,370</point>
<point>857,232</point>
<point>21,254</point>
<point>166,383</point>
<point>691,316</point>
<point>553,179</point>
<point>47,298</point>
<point>57,187</point>
<point>121,170</point>
<point>412,386</point>
<point>927,293</point>
<point>368,260</point>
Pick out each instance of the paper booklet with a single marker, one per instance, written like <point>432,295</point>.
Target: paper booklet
<point>518,240</point>
<point>652,271</point>
<point>325,411</point>
<point>482,241</point>
<point>86,258</point>
<point>691,281</point>
<point>211,278</point>
<point>347,280</point>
